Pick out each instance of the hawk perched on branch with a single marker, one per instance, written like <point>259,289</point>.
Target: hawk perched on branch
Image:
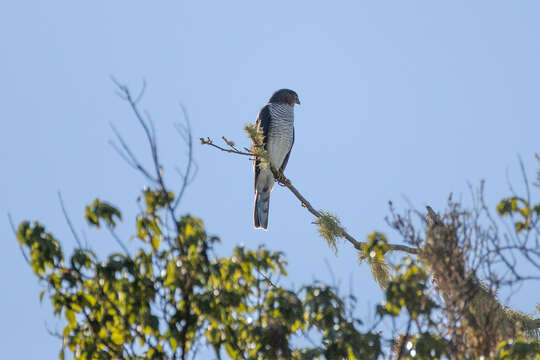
<point>276,122</point>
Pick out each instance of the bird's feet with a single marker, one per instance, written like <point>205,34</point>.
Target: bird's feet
<point>282,180</point>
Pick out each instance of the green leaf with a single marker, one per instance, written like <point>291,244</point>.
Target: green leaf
<point>231,351</point>
<point>173,343</point>
<point>70,317</point>
<point>90,299</point>
<point>102,210</point>
<point>171,273</point>
<point>156,199</point>
<point>117,337</point>
<point>155,242</point>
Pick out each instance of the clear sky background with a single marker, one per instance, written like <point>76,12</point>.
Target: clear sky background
<point>412,98</point>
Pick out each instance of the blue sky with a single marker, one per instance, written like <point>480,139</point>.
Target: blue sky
<point>399,98</point>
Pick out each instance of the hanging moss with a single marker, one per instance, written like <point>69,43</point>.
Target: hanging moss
<point>330,229</point>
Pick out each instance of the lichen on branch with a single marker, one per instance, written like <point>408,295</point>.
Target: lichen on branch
<point>257,145</point>
<point>329,228</point>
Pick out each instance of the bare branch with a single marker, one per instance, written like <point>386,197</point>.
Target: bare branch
<point>68,220</point>
<point>149,131</point>
<point>209,141</point>
<point>118,240</point>
<point>187,178</point>
<point>141,93</point>
<point>129,157</point>
<point>14,229</point>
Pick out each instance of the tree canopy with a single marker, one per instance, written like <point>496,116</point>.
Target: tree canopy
<point>175,296</point>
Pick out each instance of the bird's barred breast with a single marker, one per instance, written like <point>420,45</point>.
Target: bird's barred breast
<point>280,133</point>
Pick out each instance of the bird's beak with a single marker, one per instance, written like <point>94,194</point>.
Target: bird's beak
<point>298,101</point>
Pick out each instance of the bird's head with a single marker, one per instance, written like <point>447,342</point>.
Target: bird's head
<point>285,96</point>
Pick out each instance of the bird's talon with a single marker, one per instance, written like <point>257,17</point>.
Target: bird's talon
<point>280,178</point>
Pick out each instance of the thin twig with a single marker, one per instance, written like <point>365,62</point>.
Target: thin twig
<point>128,155</point>
<point>10,219</point>
<point>118,240</point>
<point>405,339</point>
<point>267,279</point>
<point>209,141</point>
<point>188,138</point>
<point>68,220</point>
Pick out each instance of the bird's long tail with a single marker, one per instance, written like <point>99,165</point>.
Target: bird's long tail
<point>260,212</point>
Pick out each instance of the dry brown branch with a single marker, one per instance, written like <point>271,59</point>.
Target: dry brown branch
<point>284,181</point>
<point>477,321</point>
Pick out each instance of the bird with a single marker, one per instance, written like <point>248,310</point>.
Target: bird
<point>276,122</point>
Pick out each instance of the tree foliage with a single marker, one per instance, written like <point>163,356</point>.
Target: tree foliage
<point>175,294</point>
